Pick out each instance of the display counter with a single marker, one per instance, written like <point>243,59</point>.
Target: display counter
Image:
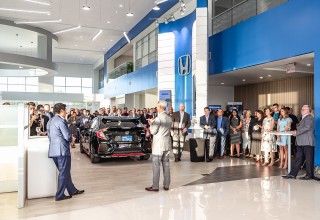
<point>42,172</point>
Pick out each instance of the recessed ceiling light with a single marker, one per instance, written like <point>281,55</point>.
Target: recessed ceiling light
<point>243,80</point>
<point>103,48</point>
<point>76,45</point>
<point>222,83</point>
<point>121,5</point>
<point>108,22</point>
<point>20,67</point>
<point>261,77</point>
<point>111,40</point>
<point>269,75</point>
<point>129,14</point>
<point>308,64</point>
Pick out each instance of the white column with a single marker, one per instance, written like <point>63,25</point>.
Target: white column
<point>166,77</point>
<point>200,59</point>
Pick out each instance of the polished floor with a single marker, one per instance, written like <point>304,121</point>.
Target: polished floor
<point>228,189</point>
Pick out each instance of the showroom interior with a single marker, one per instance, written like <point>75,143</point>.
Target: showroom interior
<point>91,54</point>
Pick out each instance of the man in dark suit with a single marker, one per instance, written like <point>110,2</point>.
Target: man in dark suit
<point>181,123</point>
<point>222,132</point>
<point>208,123</point>
<point>59,150</point>
<point>144,117</point>
<point>305,145</point>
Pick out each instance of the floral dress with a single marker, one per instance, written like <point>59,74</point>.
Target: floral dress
<point>268,140</point>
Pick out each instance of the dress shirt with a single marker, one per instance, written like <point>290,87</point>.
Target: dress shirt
<point>219,123</point>
<point>181,119</point>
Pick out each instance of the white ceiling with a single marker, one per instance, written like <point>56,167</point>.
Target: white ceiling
<point>77,46</point>
<point>269,71</point>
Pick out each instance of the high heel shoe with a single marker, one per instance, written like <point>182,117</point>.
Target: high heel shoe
<point>281,166</point>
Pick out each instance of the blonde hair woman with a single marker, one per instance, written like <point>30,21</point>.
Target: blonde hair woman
<point>246,134</point>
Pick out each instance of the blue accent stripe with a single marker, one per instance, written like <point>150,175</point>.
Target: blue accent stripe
<point>141,26</point>
<point>202,3</point>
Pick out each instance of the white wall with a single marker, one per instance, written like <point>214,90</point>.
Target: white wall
<point>150,100</point>
<point>220,95</point>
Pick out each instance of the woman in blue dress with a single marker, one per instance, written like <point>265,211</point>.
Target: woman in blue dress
<point>284,125</point>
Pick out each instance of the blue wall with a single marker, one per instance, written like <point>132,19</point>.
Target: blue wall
<point>182,29</point>
<point>142,79</point>
<point>288,30</point>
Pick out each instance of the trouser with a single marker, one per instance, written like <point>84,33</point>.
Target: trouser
<point>178,143</point>
<point>246,142</point>
<point>221,140</point>
<point>210,148</point>
<point>63,164</point>
<point>304,153</point>
<point>156,163</point>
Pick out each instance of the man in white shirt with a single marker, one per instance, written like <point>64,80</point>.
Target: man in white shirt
<point>160,128</point>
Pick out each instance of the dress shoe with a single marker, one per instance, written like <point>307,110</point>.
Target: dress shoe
<point>221,157</point>
<point>305,178</point>
<point>288,176</point>
<point>64,198</point>
<point>166,188</point>
<point>152,189</point>
<point>78,192</point>
<point>176,159</point>
<point>179,159</point>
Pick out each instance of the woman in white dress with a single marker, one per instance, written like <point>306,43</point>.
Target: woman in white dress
<point>268,140</point>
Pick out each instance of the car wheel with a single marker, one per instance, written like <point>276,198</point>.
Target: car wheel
<point>93,158</point>
<point>145,157</point>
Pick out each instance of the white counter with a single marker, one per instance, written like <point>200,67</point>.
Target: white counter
<point>42,172</point>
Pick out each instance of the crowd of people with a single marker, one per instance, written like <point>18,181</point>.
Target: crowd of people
<point>251,134</point>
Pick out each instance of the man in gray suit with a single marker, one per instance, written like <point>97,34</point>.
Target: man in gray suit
<point>161,144</point>
<point>59,150</point>
<point>305,145</point>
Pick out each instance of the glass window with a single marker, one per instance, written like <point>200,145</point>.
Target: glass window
<point>152,42</point>
<point>31,88</point>
<point>73,89</point>
<point>3,88</point>
<point>16,88</point>
<point>73,81</point>
<point>145,46</point>
<point>59,89</point>
<point>3,80</point>
<point>59,81</point>
<point>86,82</point>
<point>17,80</point>
<point>145,61</point>
<point>32,80</point>
<point>139,50</point>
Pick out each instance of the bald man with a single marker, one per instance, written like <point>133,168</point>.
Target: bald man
<point>181,123</point>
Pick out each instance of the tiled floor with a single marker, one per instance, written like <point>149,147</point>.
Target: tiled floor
<point>234,189</point>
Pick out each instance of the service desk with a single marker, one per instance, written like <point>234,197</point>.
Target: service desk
<point>42,172</point>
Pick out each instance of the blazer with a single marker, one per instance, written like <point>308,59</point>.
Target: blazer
<point>186,123</point>
<point>144,119</point>
<point>160,129</point>
<point>224,125</point>
<point>59,137</point>
<point>211,122</point>
<point>305,132</point>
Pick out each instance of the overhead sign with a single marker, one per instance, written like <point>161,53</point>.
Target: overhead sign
<point>184,65</point>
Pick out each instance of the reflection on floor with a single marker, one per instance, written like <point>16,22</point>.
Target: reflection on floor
<point>223,174</point>
<point>115,190</point>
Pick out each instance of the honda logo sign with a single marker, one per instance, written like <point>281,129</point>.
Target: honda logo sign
<point>184,65</point>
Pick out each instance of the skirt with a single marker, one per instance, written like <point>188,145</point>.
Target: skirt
<point>235,138</point>
<point>256,143</point>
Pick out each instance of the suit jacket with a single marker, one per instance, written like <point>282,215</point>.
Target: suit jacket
<point>160,129</point>
<point>186,123</point>
<point>211,122</point>
<point>305,132</point>
<point>224,125</point>
<point>144,119</point>
<point>59,137</point>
